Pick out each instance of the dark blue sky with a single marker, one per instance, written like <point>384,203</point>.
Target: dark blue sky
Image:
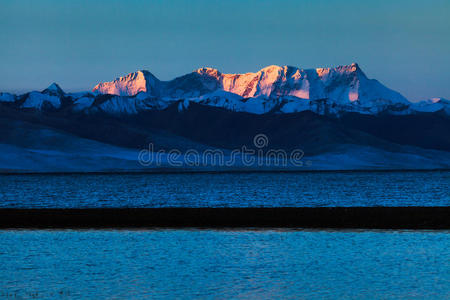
<point>404,44</point>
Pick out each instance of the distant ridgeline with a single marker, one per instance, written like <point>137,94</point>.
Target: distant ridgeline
<point>338,117</point>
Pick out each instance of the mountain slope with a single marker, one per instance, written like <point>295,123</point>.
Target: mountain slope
<point>32,147</point>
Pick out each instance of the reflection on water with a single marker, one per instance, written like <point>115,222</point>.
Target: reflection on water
<point>227,189</point>
<point>224,264</point>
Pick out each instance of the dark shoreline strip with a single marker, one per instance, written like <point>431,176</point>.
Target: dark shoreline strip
<point>166,171</point>
<point>282,217</point>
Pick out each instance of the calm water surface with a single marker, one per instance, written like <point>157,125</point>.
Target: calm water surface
<point>227,189</point>
<point>207,264</point>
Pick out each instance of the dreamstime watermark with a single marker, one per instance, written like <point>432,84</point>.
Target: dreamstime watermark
<point>259,156</point>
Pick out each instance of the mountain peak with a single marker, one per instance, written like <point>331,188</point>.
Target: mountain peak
<point>53,88</point>
<point>129,85</point>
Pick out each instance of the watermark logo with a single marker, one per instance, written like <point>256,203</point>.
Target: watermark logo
<point>261,141</point>
<point>260,155</point>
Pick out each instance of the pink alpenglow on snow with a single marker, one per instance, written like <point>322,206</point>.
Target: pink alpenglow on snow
<point>342,85</point>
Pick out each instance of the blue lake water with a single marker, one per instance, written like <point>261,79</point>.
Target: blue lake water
<point>208,264</point>
<point>246,264</point>
<point>227,189</point>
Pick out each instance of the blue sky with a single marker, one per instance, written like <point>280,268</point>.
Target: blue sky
<point>404,44</point>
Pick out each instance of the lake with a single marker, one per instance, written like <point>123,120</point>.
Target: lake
<point>209,264</point>
<point>312,189</point>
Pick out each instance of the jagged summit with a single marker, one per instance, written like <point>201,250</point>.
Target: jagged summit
<point>208,71</point>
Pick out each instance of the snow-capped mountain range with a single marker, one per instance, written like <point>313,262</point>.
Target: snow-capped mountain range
<point>278,89</point>
<point>338,117</point>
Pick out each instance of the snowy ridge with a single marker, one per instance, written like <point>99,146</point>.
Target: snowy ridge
<point>432,105</point>
<point>279,89</point>
<point>345,88</point>
<point>343,84</point>
<point>40,101</point>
